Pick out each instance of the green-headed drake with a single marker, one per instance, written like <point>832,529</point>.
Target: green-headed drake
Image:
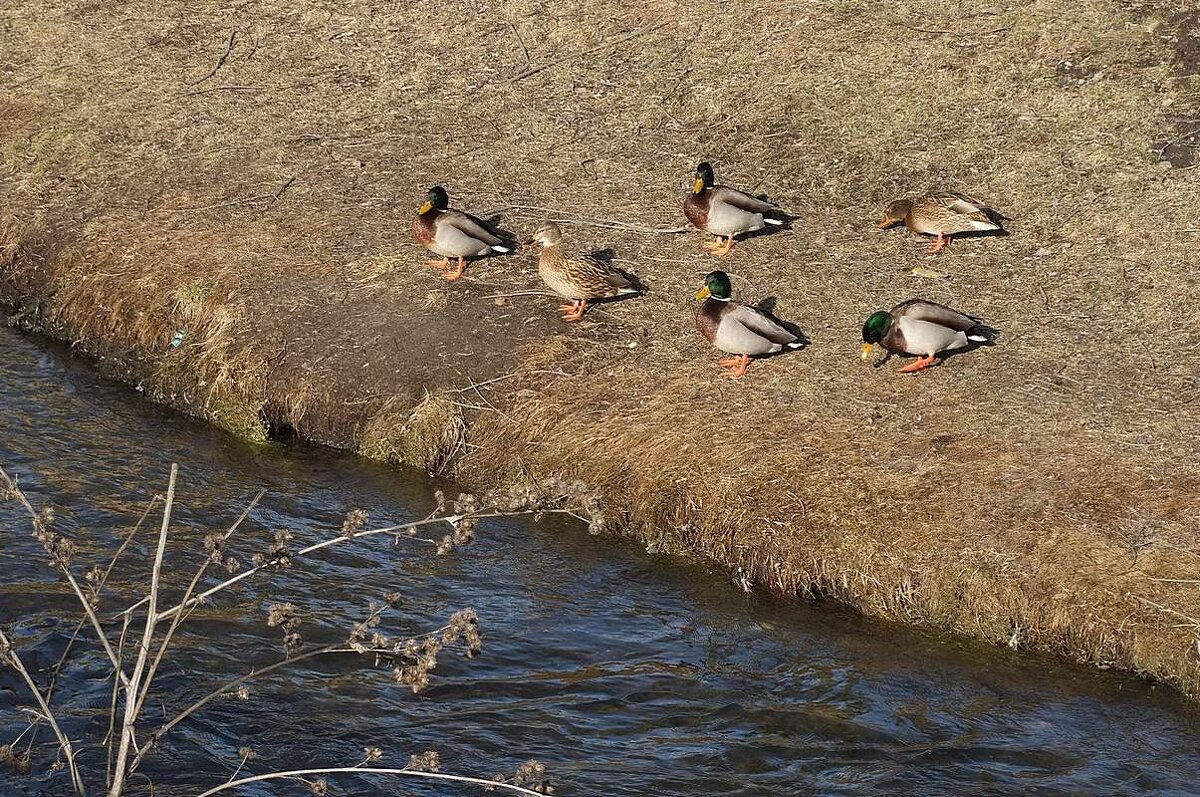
<point>725,211</point>
<point>736,328</point>
<point>452,233</point>
<point>577,277</point>
<point>924,329</point>
<point>943,214</point>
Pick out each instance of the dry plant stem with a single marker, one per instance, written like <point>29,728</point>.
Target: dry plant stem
<point>132,690</point>
<point>332,648</point>
<point>451,519</point>
<point>100,586</point>
<point>109,737</point>
<point>68,751</point>
<point>66,571</point>
<point>410,773</point>
<point>179,616</point>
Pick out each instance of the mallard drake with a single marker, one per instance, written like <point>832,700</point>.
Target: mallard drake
<point>724,211</point>
<point>922,328</point>
<point>452,233</point>
<point>941,213</point>
<point>737,328</point>
<point>574,276</point>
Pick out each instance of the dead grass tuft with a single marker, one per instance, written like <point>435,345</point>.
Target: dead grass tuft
<point>429,435</point>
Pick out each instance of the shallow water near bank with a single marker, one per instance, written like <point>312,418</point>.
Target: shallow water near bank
<point>625,673</point>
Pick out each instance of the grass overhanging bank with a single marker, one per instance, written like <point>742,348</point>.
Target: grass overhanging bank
<point>218,207</point>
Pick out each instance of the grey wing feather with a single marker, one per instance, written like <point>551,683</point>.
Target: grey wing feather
<point>761,324</point>
<point>923,310</point>
<point>471,227</point>
<point>741,200</point>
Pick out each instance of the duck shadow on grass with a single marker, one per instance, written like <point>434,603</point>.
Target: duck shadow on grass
<point>789,221</point>
<point>606,256</point>
<point>767,307</point>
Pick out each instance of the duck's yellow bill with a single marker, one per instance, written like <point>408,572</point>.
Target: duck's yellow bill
<point>703,293</point>
<point>425,208</point>
<point>867,348</point>
<point>885,223</point>
<point>698,185</point>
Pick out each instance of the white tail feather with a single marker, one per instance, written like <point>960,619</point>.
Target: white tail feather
<point>978,338</point>
<point>795,344</point>
<point>774,222</point>
<point>501,249</point>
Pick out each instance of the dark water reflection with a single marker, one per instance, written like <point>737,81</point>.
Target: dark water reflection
<point>627,674</point>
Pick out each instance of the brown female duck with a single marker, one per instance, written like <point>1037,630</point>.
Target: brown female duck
<point>943,214</point>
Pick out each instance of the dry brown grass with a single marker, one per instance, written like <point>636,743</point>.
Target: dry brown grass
<point>1039,493</point>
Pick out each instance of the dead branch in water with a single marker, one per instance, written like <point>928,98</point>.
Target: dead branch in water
<point>409,657</point>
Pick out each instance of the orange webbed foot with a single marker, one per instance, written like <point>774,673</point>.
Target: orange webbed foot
<point>735,367</point>
<point>919,365</point>
<point>456,273</point>
<point>443,264</point>
<point>573,312</point>
<point>941,243</point>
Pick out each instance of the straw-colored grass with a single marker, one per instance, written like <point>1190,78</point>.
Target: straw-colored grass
<point>1041,493</point>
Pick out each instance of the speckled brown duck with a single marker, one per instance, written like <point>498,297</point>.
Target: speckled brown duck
<point>574,276</point>
<point>943,214</point>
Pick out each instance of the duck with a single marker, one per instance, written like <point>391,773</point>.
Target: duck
<point>943,214</point>
<point>725,211</point>
<point>738,329</point>
<point>925,329</point>
<point>452,233</point>
<point>580,278</point>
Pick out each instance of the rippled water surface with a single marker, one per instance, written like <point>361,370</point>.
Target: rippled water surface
<point>626,673</point>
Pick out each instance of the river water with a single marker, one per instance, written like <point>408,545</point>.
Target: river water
<point>625,673</point>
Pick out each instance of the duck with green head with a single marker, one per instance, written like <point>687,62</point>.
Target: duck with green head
<point>922,328</point>
<point>724,211</point>
<point>943,214</point>
<point>452,233</point>
<point>736,328</point>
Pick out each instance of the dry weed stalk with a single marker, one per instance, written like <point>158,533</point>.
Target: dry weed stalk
<point>410,658</point>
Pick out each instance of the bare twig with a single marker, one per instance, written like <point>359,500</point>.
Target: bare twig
<point>178,618</point>
<point>340,538</point>
<point>66,571</point>
<point>13,659</point>
<point>521,42</point>
<point>332,648</point>
<point>132,690</point>
<point>220,59</point>
<point>533,70</point>
<point>412,773</point>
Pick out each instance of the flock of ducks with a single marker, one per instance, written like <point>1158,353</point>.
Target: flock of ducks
<point>917,327</point>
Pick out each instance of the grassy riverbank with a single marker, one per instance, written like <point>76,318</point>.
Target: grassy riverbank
<point>247,177</point>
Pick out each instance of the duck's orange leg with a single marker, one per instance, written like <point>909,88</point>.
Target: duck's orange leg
<point>456,273</point>
<point>735,367</point>
<point>574,311</point>
<point>443,264</point>
<point>918,365</point>
<point>941,243</point>
<point>719,248</point>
